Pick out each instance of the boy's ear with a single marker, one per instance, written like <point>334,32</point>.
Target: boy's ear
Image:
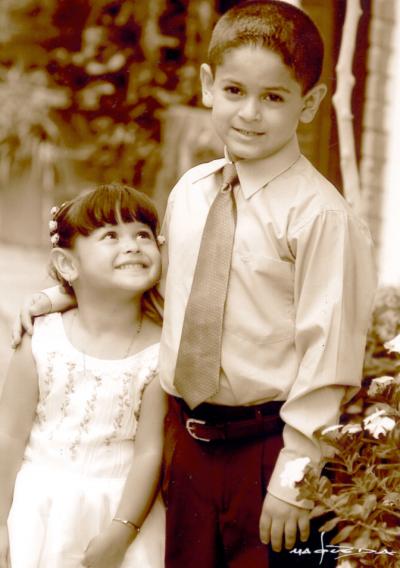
<point>65,263</point>
<point>312,99</point>
<point>207,81</point>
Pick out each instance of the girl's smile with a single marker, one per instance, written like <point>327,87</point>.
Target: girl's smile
<point>123,256</point>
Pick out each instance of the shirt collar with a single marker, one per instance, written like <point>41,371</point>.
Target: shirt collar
<point>255,174</point>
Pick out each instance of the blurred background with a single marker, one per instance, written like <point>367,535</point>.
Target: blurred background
<point>107,90</point>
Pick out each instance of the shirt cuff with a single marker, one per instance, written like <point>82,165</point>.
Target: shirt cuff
<point>289,469</point>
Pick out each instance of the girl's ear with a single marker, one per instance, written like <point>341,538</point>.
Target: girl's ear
<point>312,99</point>
<point>207,82</point>
<point>65,264</point>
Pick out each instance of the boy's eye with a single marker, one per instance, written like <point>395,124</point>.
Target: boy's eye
<point>273,97</point>
<point>232,90</point>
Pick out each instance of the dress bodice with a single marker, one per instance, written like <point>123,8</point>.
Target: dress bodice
<point>88,408</point>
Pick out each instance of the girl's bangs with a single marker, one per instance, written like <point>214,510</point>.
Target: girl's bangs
<point>109,205</point>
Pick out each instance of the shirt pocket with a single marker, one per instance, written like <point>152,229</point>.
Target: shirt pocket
<point>263,287</point>
<point>277,275</point>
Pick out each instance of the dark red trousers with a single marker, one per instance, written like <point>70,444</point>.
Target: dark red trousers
<point>214,494</point>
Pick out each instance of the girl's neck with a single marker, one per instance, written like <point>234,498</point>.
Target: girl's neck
<point>109,313</point>
<point>109,328</point>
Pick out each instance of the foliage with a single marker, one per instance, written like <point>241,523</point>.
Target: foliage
<point>29,129</point>
<point>88,80</point>
<point>385,325</point>
<point>361,490</point>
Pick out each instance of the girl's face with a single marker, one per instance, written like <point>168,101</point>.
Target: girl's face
<point>118,257</point>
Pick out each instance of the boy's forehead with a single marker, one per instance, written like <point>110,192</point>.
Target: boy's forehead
<point>256,63</point>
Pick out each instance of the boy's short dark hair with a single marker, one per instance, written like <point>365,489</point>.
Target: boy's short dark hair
<point>275,25</point>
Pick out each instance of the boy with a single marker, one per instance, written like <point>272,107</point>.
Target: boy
<point>295,308</point>
<point>300,291</point>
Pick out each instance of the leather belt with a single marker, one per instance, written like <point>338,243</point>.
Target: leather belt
<point>258,421</point>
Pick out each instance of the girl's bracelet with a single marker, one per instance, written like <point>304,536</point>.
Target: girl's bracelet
<point>127,523</point>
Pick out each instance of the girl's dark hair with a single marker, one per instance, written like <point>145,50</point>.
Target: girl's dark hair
<point>275,25</point>
<point>105,204</point>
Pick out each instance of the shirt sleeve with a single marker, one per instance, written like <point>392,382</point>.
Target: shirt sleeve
<point>60,300</point>
<point>335,282</point>
<point>164,232</point>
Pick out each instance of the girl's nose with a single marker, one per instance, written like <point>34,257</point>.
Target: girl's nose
<point>250,110</point>
<point>130,244</point>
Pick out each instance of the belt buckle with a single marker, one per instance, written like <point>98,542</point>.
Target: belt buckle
<point>190,424</point>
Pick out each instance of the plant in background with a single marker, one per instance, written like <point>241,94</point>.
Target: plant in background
<point>361,491</point>
<point>29,129</point>
<point>94,79</point>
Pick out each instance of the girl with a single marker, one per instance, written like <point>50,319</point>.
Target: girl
<point>81,414</point>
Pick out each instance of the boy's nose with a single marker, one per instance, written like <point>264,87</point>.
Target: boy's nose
<point>250,110</point>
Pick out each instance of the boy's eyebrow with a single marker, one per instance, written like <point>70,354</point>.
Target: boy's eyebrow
<point>266,88</point>
<point>276,88</point>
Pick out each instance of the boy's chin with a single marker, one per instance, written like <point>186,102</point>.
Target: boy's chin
<point>238,154</point>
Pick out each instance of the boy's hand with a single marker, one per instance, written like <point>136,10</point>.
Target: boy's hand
<point>107,550</point>
<point>4,548</point>
<point>279,522</point>
<point>36,305</point>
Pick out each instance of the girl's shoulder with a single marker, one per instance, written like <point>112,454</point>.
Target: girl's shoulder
<point>147,358</point>
<point>47,331</point>
<point>47,322</point>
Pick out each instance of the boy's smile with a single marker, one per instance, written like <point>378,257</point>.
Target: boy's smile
<point>256,102</point>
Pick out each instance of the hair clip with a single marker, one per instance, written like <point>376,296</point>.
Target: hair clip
<point>54,239</point>
<point>53,225</point>
<point>161,240</point>
<point>54,210</point>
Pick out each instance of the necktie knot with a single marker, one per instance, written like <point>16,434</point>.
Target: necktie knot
<point>229,177</point>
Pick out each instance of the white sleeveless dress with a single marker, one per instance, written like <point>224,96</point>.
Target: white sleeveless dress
<point>79,454</point>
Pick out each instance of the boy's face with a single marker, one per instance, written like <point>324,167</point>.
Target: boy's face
<point>256,102</point>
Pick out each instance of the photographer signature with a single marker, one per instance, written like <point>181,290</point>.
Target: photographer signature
<point>342,549</point>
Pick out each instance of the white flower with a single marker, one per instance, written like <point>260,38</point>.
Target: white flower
<point>373,416</point>
<point>161,240</point>
<point>352,428</point>
<point>377,424</point>
<point>55,238</point>
<point>379,384</point>
<point>393,345</point>
<point>293,471</point>
<point>54,210</point>
<point>331,429</point>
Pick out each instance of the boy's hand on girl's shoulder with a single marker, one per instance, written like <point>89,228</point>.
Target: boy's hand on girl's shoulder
<point>4,548</point>
<point>280,521</point>
<point>36,305</point>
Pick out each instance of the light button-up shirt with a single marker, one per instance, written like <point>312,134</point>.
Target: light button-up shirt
<point>299,299</point>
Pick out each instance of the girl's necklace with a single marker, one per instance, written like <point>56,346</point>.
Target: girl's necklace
<point>126,353</point>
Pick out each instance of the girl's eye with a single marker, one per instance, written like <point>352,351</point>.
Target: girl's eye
<point>144,235</point>
<point>109,235</point>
